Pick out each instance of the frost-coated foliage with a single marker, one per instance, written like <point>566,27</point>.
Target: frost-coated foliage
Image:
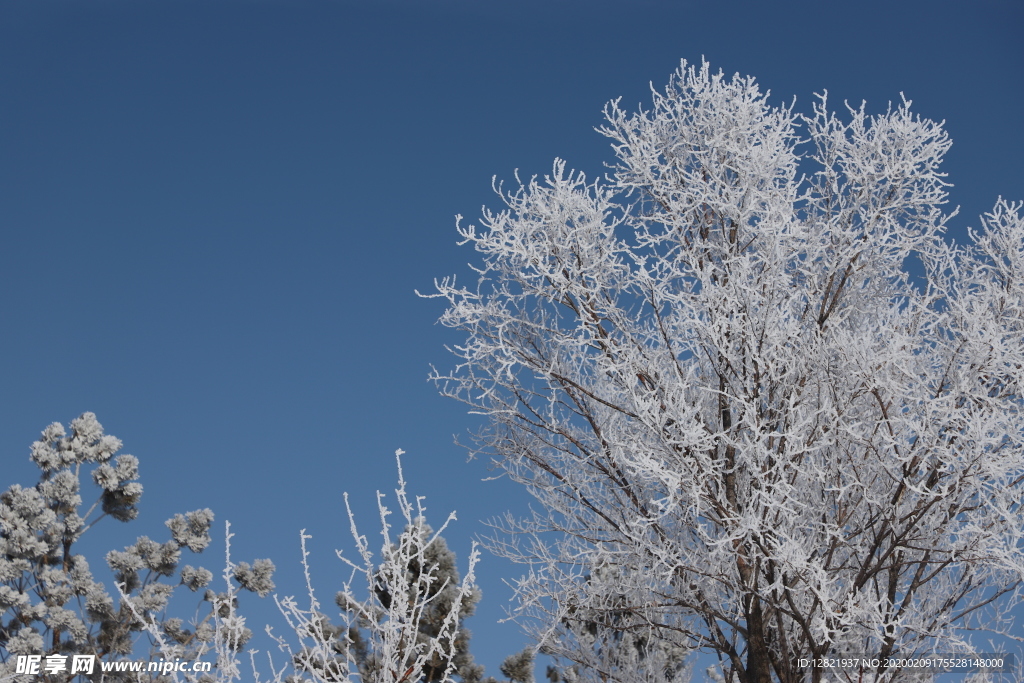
<point>714,371</point>
<point>50,602</point>
<point>408,626</point>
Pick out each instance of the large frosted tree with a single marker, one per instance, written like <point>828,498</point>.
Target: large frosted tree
<point>751,429</point>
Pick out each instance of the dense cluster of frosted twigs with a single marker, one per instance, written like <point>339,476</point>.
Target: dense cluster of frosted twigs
<point>770,412</point>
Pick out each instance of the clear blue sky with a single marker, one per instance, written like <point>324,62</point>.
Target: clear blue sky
<point>214,215</point>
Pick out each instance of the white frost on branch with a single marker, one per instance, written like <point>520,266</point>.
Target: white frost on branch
<point>411,616</point>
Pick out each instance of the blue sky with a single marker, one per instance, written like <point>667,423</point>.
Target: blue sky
<point>214,215</point>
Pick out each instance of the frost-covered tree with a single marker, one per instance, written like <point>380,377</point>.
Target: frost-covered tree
<point>716,373</point>
<point>52,604</point>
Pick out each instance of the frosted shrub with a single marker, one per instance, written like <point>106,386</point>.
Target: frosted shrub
<point>400,614</point>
